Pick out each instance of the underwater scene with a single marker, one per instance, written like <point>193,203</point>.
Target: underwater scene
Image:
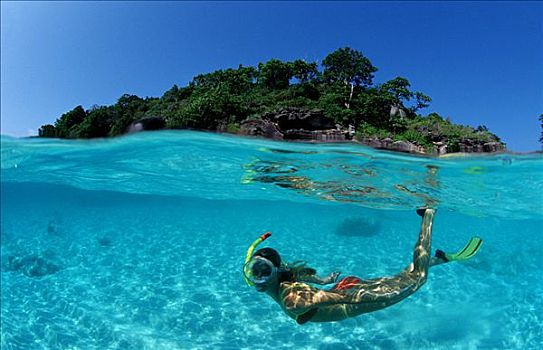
<point>139,242</point>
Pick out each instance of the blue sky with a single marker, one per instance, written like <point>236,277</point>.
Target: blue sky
<point>481,62</point>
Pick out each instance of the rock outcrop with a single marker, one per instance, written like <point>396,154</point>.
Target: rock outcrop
<point>439,147</point>
<point>314,125</point>
<point>260,127</point>
<point>31,265</point>
<point>389,144</point>
<point>295,124</point>
<point>476,146</point>
<point>299,118</point>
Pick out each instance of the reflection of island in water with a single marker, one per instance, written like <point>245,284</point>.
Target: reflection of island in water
<point>287,175</point>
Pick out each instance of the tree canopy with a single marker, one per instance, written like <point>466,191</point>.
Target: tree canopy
<point>342,86</point>
<point>348,66</point>
<point>541,137</point>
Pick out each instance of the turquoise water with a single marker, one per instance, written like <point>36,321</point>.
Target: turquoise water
<point>138,243</point>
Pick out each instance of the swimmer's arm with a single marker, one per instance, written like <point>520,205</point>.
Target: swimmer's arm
<point>331,278</point>
<point>300,298</point>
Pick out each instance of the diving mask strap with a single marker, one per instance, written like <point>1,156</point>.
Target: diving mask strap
<point>250,253</point>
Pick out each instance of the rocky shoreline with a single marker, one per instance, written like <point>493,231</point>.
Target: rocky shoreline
<point>440,147</point>
<point>297,124</point>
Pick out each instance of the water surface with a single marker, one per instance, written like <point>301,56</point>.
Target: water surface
<point>138,242</point>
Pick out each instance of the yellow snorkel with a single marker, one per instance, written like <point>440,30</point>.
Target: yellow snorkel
<point>250,254</point>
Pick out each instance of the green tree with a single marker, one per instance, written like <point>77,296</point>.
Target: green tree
<point>422,101</point>
<point>98,123</point>
<point>171,95</point>
<point>209,109</point>
<point>274,74</point>
<point>397,90</point>
<point>65,124</point>
<point>541,137</point>
<point>481,128</point>
<point>373,108</point>
<point>236,81</point>
<point>47,130</point>
<point>349,67</point>
<point>128,109</point>
<point>303,71</point>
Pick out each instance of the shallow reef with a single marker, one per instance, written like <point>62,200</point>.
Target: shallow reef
<point>31,265</point>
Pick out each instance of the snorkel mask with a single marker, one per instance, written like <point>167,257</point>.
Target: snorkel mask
<point>257,270</point>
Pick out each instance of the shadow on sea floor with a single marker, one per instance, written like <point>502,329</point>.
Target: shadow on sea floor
<point>358,227</point>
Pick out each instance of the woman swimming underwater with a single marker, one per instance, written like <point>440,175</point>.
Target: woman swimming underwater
<point>351,296</point>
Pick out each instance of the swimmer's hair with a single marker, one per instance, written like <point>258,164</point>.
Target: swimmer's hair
<point>270,254</point>
<point>287,272</point>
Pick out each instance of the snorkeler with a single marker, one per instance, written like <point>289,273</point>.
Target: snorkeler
<point>288,284</point>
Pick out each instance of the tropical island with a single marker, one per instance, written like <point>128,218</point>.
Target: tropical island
<point>297,100</point>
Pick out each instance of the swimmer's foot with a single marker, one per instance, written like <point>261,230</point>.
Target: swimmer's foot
<point>441,255</point>
<point>422,210</point>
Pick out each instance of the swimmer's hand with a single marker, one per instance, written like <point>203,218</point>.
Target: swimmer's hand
<point>331,278</point>
<point>334,276</point>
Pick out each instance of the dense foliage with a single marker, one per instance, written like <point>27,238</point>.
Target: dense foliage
<point>343,88</point>
<point>541,137</point>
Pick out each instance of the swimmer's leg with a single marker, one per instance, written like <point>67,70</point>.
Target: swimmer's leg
<point>421,254</point>
<point>378,293</point>
<point>390,290</point>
